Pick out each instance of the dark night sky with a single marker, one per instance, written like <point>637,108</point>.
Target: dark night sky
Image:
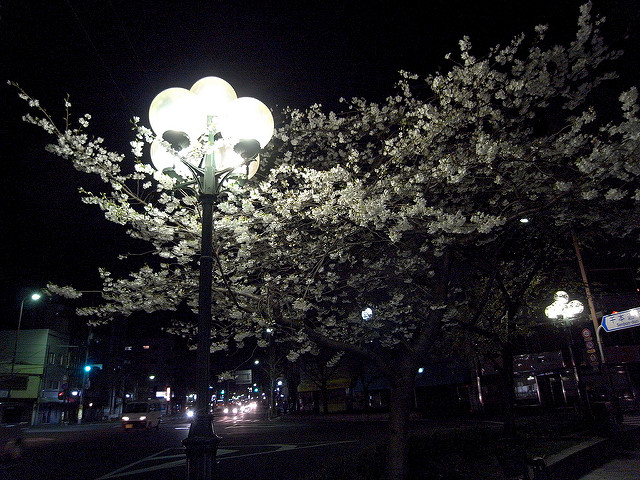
<point>113,56</point>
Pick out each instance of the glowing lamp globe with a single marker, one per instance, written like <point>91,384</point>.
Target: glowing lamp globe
<point>244,124</point>
<point>573,309</point>
<point>244,119</point>
<point>214,95</point>
<point>247,118</point>
<point>563,308</point>
<point>163,159</point>
<point>177,109</point>
<point>553,311</point>
<point>561,297</point>
<point>227,159</point>
<point>252,168</point>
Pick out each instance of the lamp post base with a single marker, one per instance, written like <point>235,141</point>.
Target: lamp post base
<point>201,447</point>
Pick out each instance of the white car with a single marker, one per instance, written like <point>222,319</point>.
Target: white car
<point>143,414</point>
<point>232,409</point>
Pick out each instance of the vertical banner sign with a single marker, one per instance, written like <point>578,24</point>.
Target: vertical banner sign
<point>590,345</point>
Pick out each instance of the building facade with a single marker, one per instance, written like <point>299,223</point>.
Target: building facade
<point>41,374</point>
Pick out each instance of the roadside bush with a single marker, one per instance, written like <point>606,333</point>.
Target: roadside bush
<point>437,455</point>
<point>553,424</point>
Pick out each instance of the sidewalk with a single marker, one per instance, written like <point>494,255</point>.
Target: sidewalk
<point>64,427</point>
<point>627,467</point>
<point>625,462</point>
<point>616,458</point>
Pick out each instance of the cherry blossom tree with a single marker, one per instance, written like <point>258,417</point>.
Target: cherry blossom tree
<point>380,206</point>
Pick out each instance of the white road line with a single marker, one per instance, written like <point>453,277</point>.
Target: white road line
<point>297,447</point>
<point>115,473</point>
<point>222,454</point>
<point>255,427</point>
<point>157,456</point>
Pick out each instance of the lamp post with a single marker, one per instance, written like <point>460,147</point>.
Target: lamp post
<point>564,310</point>
<point>235,130</point>
<point>33,297</point>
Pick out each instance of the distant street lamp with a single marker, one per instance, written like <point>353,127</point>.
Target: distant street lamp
<point>564,310</point>
<point>236,130</point>
<point>33,297</point>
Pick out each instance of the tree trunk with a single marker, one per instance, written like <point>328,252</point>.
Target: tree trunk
<point>508,391</point>
<point>325,398</point>
<point>398,441</point>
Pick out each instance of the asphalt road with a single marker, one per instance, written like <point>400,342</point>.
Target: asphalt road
<point>251,447</point>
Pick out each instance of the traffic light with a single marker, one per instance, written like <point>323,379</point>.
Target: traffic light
<point>90,366</point>
<point>61,395</point>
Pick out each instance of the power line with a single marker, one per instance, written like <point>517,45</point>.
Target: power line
<point>136,58</point>
<point>97,53</point>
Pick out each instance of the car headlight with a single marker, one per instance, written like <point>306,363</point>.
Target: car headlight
<point>126,419</point>
<point>235,410</point>
<point>189,413</point>
<point>226,410</point>
<point>143,417</point>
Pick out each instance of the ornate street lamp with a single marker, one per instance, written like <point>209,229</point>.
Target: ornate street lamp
<point>564,310</point>
<point>236,129</point>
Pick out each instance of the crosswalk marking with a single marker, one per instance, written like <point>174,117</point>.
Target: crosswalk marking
<point>631,420</point>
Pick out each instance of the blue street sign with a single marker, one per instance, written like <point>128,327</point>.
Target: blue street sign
<point>621,320</point>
